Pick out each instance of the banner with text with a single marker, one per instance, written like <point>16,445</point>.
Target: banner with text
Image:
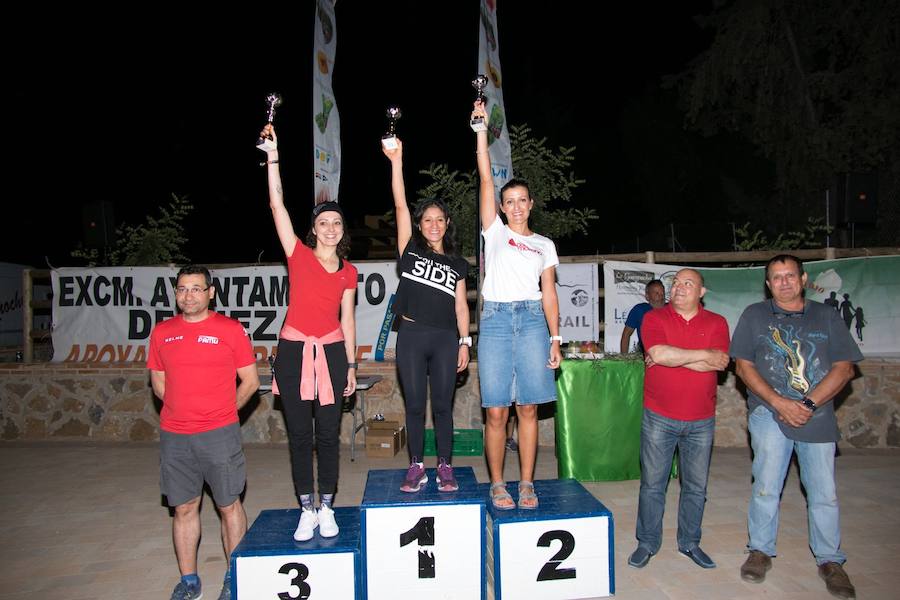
<point>862,290</point>
<point>106,314</point>
<point>579,314</point>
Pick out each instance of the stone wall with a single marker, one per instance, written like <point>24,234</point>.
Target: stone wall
<point>113,402</point>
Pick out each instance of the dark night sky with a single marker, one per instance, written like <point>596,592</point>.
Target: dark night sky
<point>172,103</point>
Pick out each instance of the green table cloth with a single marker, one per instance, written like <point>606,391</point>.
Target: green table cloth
<point>598,419</point>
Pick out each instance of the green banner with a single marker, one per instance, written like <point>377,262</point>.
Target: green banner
<point>864,291</point>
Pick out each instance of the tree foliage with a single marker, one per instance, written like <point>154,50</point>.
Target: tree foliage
<point>810,236</point>
<point>814,84</point>
<point>159,240</point>
<point>550,179</point>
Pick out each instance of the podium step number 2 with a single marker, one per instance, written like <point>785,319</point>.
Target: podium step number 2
<point>554,558</point>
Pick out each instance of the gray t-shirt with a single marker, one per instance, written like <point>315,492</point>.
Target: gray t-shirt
<point>793,351</point>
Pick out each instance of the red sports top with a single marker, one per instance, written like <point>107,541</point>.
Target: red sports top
<point>200,361</point>
<point>315,299</point>
<point>678,392</point>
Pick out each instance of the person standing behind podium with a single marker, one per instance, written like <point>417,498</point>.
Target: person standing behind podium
<point>316,348</point>
<point>518,341</point>
<point>655,293</point>
<point>433,340</point>
<point>686,344</point>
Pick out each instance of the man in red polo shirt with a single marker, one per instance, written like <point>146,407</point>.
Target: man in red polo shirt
<point>685,345</point>
<point>193,360</point>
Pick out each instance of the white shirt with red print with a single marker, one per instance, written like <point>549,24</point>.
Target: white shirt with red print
<point>514,263</point>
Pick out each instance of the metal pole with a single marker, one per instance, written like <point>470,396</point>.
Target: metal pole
<point>27,317</point>
<point>827,218</point>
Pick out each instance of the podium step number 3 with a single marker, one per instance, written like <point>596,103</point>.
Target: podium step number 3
<point>269,565</point>
<point>296,577</point>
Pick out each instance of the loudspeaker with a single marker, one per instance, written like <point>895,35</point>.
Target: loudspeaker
<point>854,199</point>
<point>99,224</point>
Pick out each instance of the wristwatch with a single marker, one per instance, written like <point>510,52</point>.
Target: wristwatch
<point>809,404</point>
<point>556,338</point>
<point>465,341</point>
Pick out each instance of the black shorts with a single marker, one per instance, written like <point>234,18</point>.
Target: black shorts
<point>215,456</point>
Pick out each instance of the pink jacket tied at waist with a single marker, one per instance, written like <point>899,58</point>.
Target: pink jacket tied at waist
<point>314,376</point>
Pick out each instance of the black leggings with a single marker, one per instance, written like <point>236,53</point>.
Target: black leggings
<point>299,416</point>
<point>423,351</point>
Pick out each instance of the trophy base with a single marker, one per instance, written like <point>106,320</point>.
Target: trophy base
<point>477,124</point>
<point>389,142</point>
<point>266,145</point>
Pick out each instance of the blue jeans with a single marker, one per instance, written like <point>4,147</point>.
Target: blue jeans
<point>659,437</point>
<point>771,458</point>
<point>513,350</point>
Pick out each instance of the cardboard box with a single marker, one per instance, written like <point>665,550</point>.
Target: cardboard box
<point>384,443</point>
<point>391,422</point>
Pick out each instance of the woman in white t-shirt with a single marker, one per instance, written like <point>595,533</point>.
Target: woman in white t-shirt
<point>518,341</point>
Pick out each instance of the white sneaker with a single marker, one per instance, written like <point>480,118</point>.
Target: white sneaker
<point>327,526</point>
<point>306,528</point>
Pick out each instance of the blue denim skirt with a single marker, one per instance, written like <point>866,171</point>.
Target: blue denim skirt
<point>513,350</point>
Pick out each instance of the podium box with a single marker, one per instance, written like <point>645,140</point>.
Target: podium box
<point>562,550</point>
<point>427,544</point>
<point>269,564</point>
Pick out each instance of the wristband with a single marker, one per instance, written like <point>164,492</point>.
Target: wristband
<point>556,338</point>
<point>353,365</point>
<point>465,341</point>
<point>808,403</point>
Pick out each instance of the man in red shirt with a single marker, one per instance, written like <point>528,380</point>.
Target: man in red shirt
<point>193,359</point>
<point>685,344</point>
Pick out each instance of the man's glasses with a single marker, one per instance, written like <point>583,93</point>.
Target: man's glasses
<point>193,291</point>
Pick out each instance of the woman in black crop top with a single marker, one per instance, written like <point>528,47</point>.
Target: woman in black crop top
<point>433,339</point>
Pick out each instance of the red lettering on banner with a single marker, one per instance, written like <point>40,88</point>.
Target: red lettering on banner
<point>107,353</point>
<point>263,352</point>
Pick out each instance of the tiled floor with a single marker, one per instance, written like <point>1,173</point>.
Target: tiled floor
<point>82,521</point>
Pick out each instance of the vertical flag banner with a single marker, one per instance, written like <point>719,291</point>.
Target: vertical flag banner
<point>489,64</point>
<point>326,122</point>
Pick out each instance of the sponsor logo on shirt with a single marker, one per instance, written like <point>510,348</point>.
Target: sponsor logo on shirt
<point>207,339</point>
<point>522,247</point>
<point>174,338</point>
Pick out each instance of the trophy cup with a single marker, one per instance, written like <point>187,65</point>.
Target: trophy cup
<point>479,83</point>
<point>389,139</point>
<point>272,100</point>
